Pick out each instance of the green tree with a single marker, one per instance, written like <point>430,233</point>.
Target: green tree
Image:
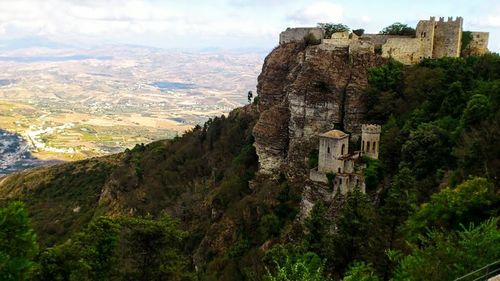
<point>387,77</point>
<point>454,102</point>
<point>331,28</point>
<point>97,248</point>
<point>58,263</point>
<point>470,202</point>
<point>307,267</point>
<point>478,109</point>
<point>317,227</point>
<point>427,149</point>
<point>398,28</point>
<point>152,250</point>
<point>398,203</point>
<point>356,234</point>
<point>359,32</point>
<point>17,243</point>
<point>442,256</point>
<point>360,271</point>
<point>89,255</point>
<point>478,151</point>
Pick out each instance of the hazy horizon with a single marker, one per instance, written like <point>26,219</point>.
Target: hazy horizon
<point>220,24</point>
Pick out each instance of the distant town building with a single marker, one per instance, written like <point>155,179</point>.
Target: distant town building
<point>433,39</point>
<point>345,168</point>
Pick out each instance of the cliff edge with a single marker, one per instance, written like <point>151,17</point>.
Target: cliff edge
<point>304,91</point>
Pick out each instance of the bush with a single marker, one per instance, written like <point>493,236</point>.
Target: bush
<point>310,39</point>
<point>398,28</point>
<point>359,31</point>
<point>331,28</point>
<point>312,161</point>
<point>17,243</point>
<point>256,100</point>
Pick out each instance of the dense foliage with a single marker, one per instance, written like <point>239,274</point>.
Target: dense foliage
<point>331,28</point>
<point>433,200</point>
<point>398,29</point>
<point>430,213</point>
<point>17,243</point>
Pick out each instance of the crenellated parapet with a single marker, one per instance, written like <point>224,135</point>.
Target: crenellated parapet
<point>433,39</point>
<point>371,128</point>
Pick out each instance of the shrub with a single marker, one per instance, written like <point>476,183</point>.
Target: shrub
<point>359,31</point>
<point>312,162</point>
<point>331,28</point>
<point>310,39</point>
<point>398,28</point>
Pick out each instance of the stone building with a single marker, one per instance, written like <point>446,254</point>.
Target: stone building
<point>433,39</point>
<point>478,44</point>
<point>299,33</point>
<point>335,158</point>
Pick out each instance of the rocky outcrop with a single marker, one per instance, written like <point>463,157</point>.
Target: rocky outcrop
<point>303,91</point>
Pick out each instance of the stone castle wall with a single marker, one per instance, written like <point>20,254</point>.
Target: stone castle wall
<point>298,34</point>
<point>405,50</point>
<point>433,39</point>
<point>479,44</point>
<point>447,38</point>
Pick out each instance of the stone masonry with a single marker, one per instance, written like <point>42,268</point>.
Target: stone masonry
<point>433,39</point>
<point>347,166</point>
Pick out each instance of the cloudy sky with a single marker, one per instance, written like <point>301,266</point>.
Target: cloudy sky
<point>197,24</point>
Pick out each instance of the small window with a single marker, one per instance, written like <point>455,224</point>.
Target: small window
<point>374,146</point>
<point>357,182</point>
<point>367,146</point>
<point>340,181</point>
<point>339,170</point>
<point>342,149</point>
<point>328,150</point>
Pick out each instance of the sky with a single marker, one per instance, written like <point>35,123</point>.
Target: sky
<point>229,24</point>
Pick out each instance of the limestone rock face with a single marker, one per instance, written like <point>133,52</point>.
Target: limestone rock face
<point>304,91</point>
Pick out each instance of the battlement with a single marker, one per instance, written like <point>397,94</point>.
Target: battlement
<point>434,38</point>
<point>371,128</point>
<point>297,34</point>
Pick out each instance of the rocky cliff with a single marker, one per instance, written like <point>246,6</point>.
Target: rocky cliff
<point>303,91</point>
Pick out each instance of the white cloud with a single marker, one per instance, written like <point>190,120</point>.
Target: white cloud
<point>318,12</point>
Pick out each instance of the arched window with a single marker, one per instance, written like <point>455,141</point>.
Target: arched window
<point>342,149</point>
<point>367,146</point>
<point>339,170</point>
<point>328,149</point>
<point>374,146</point>
<point>340,181</point>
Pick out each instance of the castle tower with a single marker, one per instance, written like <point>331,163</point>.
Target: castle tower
<point>447,38</point>
<point>332,146</point>
<point>370,140</point>
<point>425,32</point>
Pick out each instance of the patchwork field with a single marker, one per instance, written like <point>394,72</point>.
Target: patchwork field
<point>69,106</point>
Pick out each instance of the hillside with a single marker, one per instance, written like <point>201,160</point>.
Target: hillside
<point>237,185</point>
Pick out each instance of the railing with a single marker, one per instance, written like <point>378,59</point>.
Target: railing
<point>482,274</point>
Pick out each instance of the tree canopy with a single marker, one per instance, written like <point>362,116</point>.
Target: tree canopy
<point>331,28</point>
<point>398,28</point>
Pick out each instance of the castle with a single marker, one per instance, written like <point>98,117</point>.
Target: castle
<point>433,39</point>
<point>347,167</point>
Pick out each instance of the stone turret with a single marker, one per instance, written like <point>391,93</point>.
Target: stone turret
<point>332,146</point>
<point>370,140</point>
